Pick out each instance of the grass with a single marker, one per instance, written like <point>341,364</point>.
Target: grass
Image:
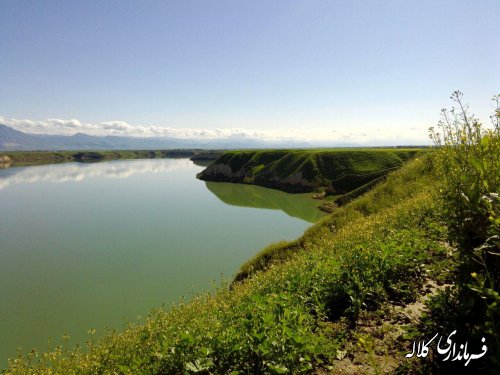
<point>413,178</point>
<point>297,307</point>
<point>339,171</point>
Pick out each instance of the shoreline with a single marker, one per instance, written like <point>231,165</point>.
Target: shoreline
<point>27,158</point>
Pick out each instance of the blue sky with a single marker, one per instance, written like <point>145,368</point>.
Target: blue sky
<point>373,72</point>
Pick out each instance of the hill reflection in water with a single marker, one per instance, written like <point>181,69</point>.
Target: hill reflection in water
<point>301,206</point>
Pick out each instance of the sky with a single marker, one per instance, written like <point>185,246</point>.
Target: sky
<point>329,72</point>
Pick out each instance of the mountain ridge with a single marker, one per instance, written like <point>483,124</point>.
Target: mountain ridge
<point>15,140</point>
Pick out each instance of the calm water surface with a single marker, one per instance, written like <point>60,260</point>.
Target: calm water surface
<point>97,245</point>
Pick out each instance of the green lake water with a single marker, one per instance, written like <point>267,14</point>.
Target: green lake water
<point>96,245</point>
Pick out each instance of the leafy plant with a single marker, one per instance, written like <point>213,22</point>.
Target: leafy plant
<point>468,158</point>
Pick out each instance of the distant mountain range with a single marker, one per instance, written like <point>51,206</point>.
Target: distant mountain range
<point>14,140</point>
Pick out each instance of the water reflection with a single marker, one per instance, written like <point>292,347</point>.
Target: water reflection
<point>301,206</point>
<point>80,171</point>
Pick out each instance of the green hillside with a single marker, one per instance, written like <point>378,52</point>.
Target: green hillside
<point>338,171</point>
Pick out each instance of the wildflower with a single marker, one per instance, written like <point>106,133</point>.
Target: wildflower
<point>474,275</point>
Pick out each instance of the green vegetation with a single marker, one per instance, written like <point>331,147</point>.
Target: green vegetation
<point>346,173</point>
<point>414,177</point>
<point>45,157</point>
<point>468,159</point>
<point>331,298</point>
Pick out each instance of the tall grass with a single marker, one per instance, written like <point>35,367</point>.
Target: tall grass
<point>468,159</point>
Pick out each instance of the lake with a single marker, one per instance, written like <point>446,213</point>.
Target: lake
<point>88,246</point>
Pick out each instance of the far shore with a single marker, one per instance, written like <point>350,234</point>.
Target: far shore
<point>24,158</point>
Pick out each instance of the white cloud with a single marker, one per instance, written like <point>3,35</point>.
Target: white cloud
<point>358,135</point>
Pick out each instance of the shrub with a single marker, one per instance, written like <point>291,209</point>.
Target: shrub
<point>468,158</point>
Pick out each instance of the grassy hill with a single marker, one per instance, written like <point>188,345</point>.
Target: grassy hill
<point>336,171</point>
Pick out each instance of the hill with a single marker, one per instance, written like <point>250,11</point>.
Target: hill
<point>343,173</point>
